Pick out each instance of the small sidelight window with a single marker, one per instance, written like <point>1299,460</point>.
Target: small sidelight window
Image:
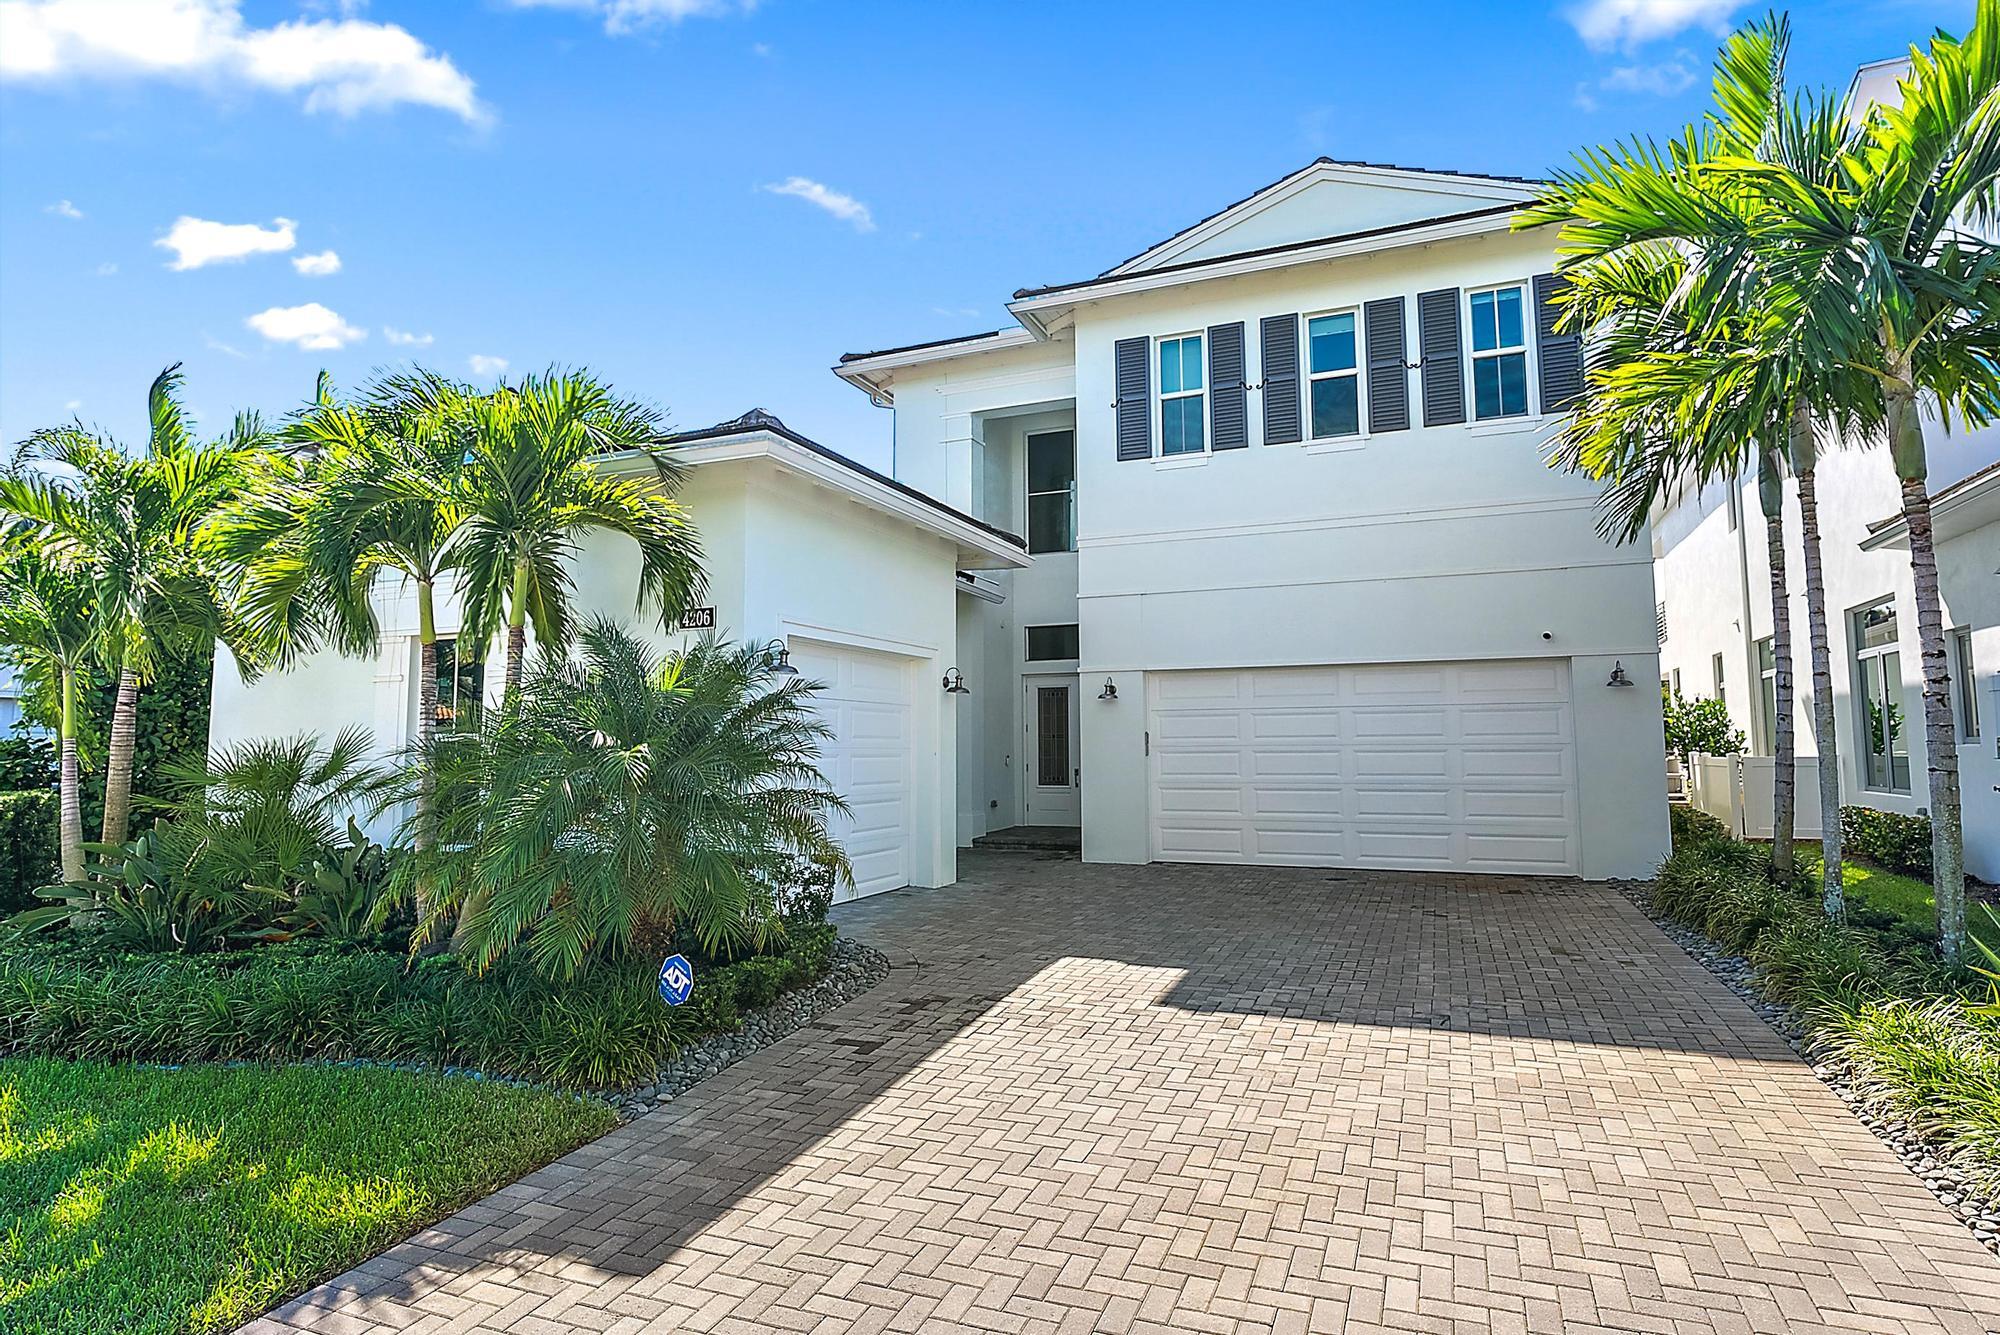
<point>1499,355</point>
<point>1051,643</point>
<point>1878,694</point>
<point>1183,405</point>
<point>1336,379</point>
<point>1051,492</point>
<point>1767,695</point>
<point>1966,684</point>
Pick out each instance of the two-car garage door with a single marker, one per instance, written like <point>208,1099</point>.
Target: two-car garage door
<point>1462,766</point>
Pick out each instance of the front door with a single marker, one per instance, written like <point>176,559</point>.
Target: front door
<point>1054,769</point>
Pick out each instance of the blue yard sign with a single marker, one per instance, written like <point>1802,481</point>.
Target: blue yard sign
<point>676,980</point>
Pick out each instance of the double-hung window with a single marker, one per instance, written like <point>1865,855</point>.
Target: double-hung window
<point>1967,684</point>
<point>1336,378</point>
<point>1499,354</point>
<point>1183,405</point>
<point>1878,694</point>
<point>1051,492</point>
<point>1767,696</point>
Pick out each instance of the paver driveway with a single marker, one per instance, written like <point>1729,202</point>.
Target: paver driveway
<point>1152,1098</point>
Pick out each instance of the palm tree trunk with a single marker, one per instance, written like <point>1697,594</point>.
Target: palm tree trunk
<point>1906,448</point>
<point>1784,773</point>
<point>1832,889</point>
<point>118,758</point>
<point>70,799</point>
<point>517,633</point>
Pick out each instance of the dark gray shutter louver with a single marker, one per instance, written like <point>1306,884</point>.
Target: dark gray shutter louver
<point>1229,413</point>
<point>1440,345</point>
<point>1135,398</point>
<point>1278,338</point>
<point>1388,372</point>
<point>1558,356</point>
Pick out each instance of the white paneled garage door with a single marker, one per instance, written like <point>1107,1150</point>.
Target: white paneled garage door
<point>867,704</point>
<point>1467,766</point>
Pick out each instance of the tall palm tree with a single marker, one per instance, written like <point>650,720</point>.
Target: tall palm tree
<point>534,487</point>
<point>48,632</point>
<point>373,490</point>
<point>1697,369</point>
<point>1890,286</point>
<point>128,523</point>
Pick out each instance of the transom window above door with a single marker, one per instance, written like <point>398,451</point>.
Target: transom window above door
<point>1334,370</point>
<point>1183,405</point>
<point>1051,492</point>
<point>1499,354</point>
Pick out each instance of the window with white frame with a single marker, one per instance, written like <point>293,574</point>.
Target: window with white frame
<point>1334,371</point>
<point>1183,404</point>
<point>1767,695</point>
<point>1721,690</point>
<point>1878,694</point>
<point>1051,492</point>
<point>1499,354</point>
<point>1966,684</point>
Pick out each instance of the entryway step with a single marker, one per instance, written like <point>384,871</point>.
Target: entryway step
<point>1033,839</point>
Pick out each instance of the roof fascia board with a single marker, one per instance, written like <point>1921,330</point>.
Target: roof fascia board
<point>1895,531</point>
<point>864,368</point>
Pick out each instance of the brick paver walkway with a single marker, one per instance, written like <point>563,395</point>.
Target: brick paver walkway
<point>1178,1099</point>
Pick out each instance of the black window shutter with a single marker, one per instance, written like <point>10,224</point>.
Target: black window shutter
<point>1441,346</point>
<point>1559,356</point>
<point>1135,398</point>
<point>1388,370</point>
<point>1229,414</point>
<point>1278,338</point>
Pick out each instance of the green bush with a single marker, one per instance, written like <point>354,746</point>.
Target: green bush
<point>313,1000</point>
<point>27,762</point>
<point>1700,725</point>
<point>30,852</point>
<point>1900,843</point>
<point>1692,825</point>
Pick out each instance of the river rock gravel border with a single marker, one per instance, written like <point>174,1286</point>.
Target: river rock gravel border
<point>1979,1213</point>
<point>854,970</point>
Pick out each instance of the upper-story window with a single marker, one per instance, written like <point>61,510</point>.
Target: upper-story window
<point>1183,405</point>
<point>1967,682</point>
<point>1333,367</point>
<point>1499,354</point>
<point>1878,693</point>
<point>1051,492</point>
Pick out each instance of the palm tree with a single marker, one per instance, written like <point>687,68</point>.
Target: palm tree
<point>1696,365</point>
<point>1890,287</point>
<point>375,490</point>
<point>128,524</point>
<point>48,632</point>
<point>625,798</point>
<point>534,487</point>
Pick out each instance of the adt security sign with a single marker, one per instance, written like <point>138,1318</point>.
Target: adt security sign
<point>676,980</point>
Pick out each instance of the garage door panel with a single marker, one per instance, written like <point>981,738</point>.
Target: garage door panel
<point>867,706</point>
<point>1468,766</point>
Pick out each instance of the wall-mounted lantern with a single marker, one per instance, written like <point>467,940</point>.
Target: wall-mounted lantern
<point>783,667</point>
<point>1110,691</point>
<point>1618,677</point>
<point>954,683</point>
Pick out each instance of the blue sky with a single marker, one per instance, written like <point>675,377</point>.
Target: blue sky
<point>707,201</point>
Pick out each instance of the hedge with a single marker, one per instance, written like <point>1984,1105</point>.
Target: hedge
<point>30,851</point>
<point>1900,843</point>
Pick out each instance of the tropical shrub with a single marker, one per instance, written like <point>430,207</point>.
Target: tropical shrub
<point>345,895</point>
<point>1691,826</point>
<point>28,853</point>
<point>142,895</point>
<point>27,762</point>
<point>1700,725</point>
<point>1888,839</point>
<point>627,799</point>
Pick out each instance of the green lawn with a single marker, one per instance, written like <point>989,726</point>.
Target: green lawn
<point>152,1202</point>
<point>1892,892</point>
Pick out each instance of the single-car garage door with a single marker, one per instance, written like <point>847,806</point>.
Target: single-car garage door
<point>867,704</point>
<point>1465,766</point>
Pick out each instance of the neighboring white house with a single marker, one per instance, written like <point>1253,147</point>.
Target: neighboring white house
<point>1303,589</point>
<point>1297,587</point>
<point>11,711</point>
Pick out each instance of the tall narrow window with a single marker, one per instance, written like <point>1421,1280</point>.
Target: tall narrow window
<point>1721,693</point>
<point>1878,694</point>
<point>1052,492</point>
<point>1336,380</point>
<point>461,685</point>
<point>1967,683</point>
<point>1499,355</point>
<point>1183,405</point>
<point>1767,695</point>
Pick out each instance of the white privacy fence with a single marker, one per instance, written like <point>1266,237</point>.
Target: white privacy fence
<point>1738,791</point>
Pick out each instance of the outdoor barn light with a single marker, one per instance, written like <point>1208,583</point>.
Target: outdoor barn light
<point>1110,691</point>
<point>783,667</point>
<point>1618,677</point>
<point>954,683</point>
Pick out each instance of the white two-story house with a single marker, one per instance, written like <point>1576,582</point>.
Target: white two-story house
<point>1241,551</point>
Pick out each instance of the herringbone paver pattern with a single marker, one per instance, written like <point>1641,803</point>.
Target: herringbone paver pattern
<point>1177,1099</point>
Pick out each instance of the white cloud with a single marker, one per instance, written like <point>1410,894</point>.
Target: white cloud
<point>624,16</point>
<point>403,338</point>
<point>1607,23</point>
<point>1662,80</point>
<point>108,268</point>
<point>481,364</point>
<point>957,312</point>
<point>197,241</point>
<point>311,326</point>
<point>62,208</point>
<point>317,266</point>
<point>72,405</point>
<point>214,344</point>
<point>345,66</point>
<point>843,206</point>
